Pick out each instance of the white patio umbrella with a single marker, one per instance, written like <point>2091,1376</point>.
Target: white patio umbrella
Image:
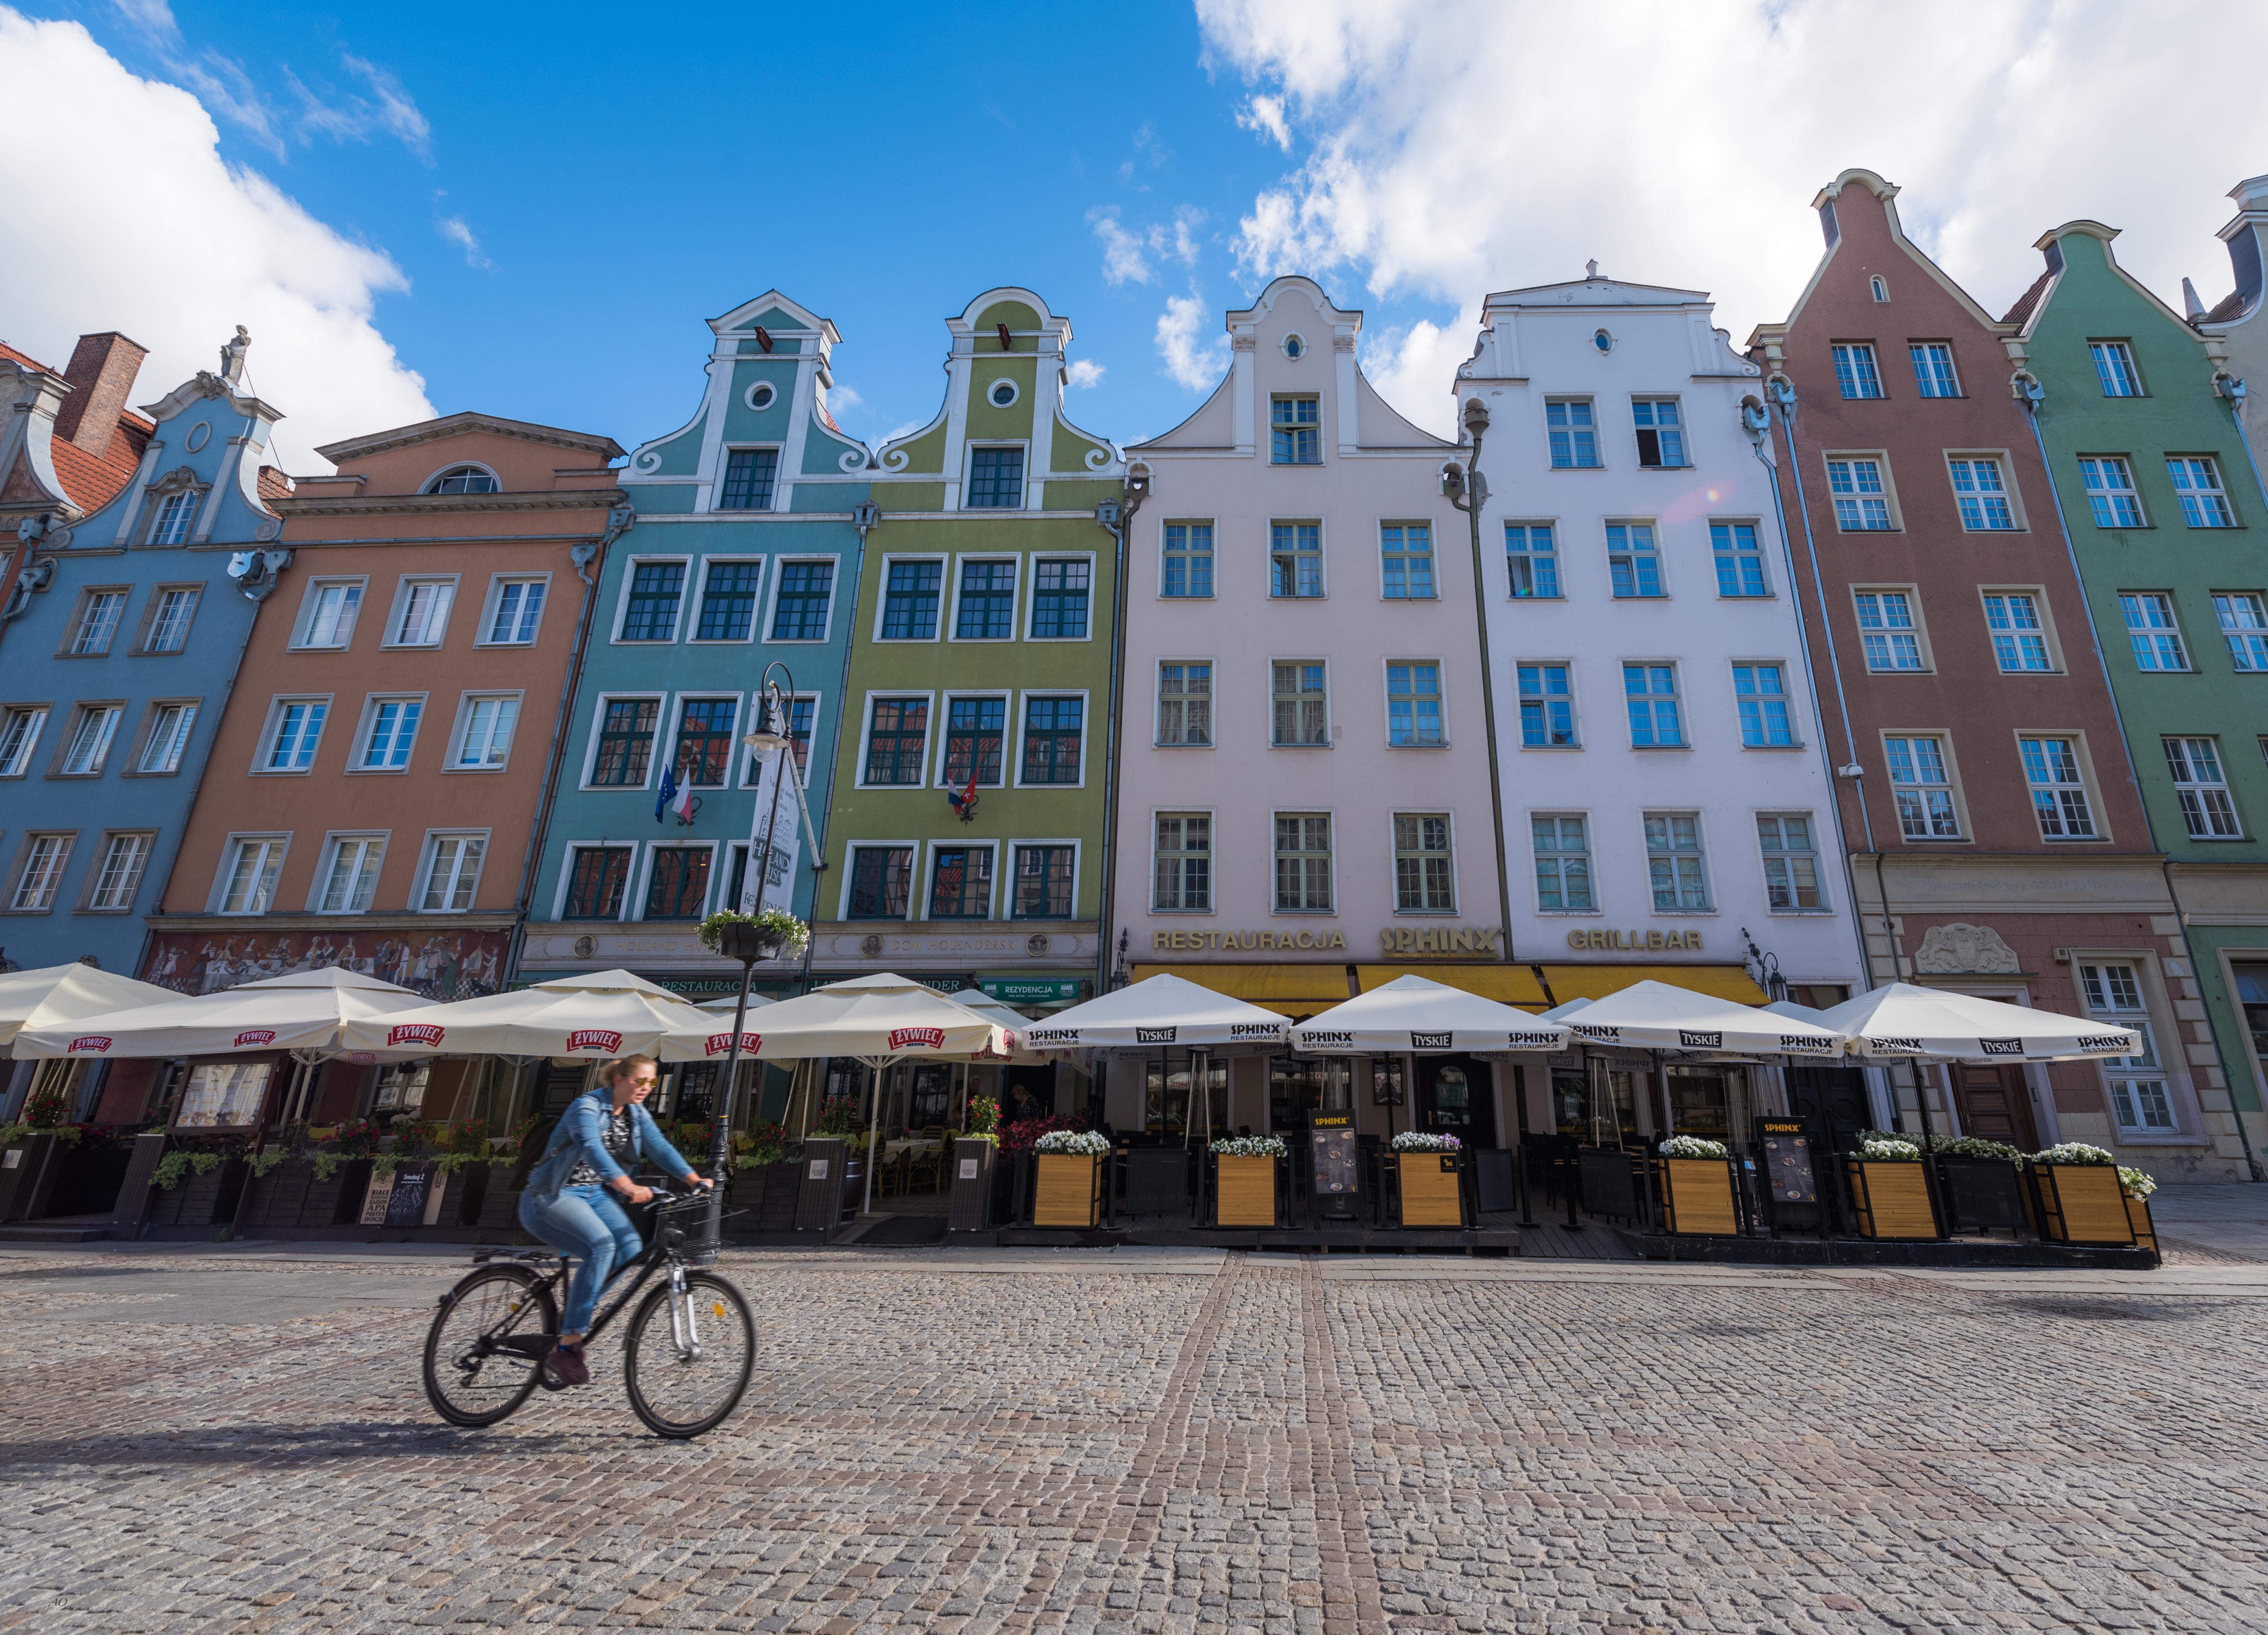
<point>1159,1010</point>
<point>597,1014</point>
<point>1561,1012</point>
<point>306,1013</point>
<point>1412,1013</point>
<point>1656,1016</point>
<point>60,995</point>
<point>1900,1021</point>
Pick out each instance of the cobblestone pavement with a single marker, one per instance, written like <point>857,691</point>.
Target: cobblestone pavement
<point>1176,1442</point>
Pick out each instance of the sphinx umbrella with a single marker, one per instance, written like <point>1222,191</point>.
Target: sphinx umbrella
<point>1159,1010</point>
<point>596,1015</point>
<point>1660,1017</point>
<point>62,995</point>
<point>306,1013</point>
<point>1415,1015</point>
<point>1899,1021</point>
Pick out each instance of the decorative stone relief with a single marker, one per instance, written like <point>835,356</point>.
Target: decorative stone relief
<point>1950,950</point>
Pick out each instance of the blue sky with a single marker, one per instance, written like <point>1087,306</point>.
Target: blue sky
<point>423,207</point>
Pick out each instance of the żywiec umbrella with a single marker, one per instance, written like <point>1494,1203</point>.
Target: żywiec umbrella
<point>1160,1010</point>
<point>60,996</point>
<point>1656,1016</point>
<point>1900,1021</point>
<point>306,1013</point>
<point>597,1015</point>
<point>1412,1013</point>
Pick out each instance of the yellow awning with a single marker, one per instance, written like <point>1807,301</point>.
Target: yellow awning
<point>1596,981</point>
<point>1310,987</point>
<point>1506,985</point>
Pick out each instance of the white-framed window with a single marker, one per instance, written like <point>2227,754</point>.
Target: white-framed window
<point>167,739</point>
<point>20,736</point>
<point>879,885</point>
<point>1301,718</point>
<point>1295,559</point>
<point>1547,705</point>
<point>2114,367</point>
<point>349,874</point>
<point>451,872</point>
<point>118,873</point>
<point>99,610</point>
<point>1303,862</point>
<point>1879,287</point>
<point>1856,374</point>
<point>1889,632</point>
<point>169,524</point>
<point>1982,493</point>
<point>896,750</point>
<point>1660,432</point>
<point>2019,635</point>
<point>996,479</point>
<point>2203,789</point>
<point>976,741</point>
<point>389,732</point>
<point>803,593</point>
<point>421,612</point>
<point>622,742</point>
<point>2243,619</point>
<point>961,881</point>
<point>1181,862</point>
<point>1760,693</point>
<point>1531,554</point>
<point>328,613</point>
<point>515,610</point>
<point>1573,431</point>
<point>913,592</point>
<point>1425,872</point>
<point>2139,1099</point>
<point>1921,786</point>
<point>464,479</point>
<point>248,873</point>
<point>1791,858</point>
<point>295,728</point>
<point>1295,430</point>
<point>2055,780</point>
<point>1054,741</point>
<point>1062,594</point>
<point>751,474</point>
<point>1633,562</point>
<point>2197,481</point>
<point>172,608</point>
<point>1676,867</point>
<point>1413,704</point>
<point>1740,559</point>
<point>1042,880</point>
<point>983,600</point>
<point>1186,567</point>
<point>1562,862</point>
<point>91,736</point>
<point>2154,630</point>
<point>802,720</point>
<point>39,872</point>
<point>2111,493</point>
<point>1650,698</point>
<point>731,591</point>
<point>1406,558</point>
<point>1934,375</point>
<point>483,737</point>
<point>1862,498</point>
<point>652,591</point>
<point>1185,703</point>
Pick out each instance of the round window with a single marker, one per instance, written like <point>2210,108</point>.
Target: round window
<point>1603,340</point>
<point>761,395</point>
<point>1002,393</point>
<point>1294,346</point>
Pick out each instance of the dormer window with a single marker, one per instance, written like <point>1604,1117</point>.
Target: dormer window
<point>175,513</point>
<point>464,480</point>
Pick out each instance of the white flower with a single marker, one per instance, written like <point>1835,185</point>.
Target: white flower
<point>1248,1146</point>
<point>1081,1142</point>
<point>1692,1146</point>
<point>2134,1183</point>
<point>2074,1153</point>
<point>1884,1151</point>
<point>1424,1141</point>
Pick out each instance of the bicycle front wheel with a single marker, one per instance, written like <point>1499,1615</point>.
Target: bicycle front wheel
<point>690,1355</point>
<point>484,1352</point>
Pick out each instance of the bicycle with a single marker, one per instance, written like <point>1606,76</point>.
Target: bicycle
<point>484,1354</point>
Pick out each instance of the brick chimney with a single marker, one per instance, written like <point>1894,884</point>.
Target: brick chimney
<point>101,374</point>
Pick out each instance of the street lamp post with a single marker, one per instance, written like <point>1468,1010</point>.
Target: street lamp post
<point>1468,490</point>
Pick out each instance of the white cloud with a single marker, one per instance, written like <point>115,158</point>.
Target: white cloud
<point>1415,368</point>
<point>1265,117</point>
<point>144,228</point>
<point>841,398</point>
<point>454,229</point>
<point>1193,365</point>
<point>152,17</point>
<point>1443,165</point>
<point>343,116</point>
<point>1128,257</point>
<point>1123,261</point>
<point>1083,372</point>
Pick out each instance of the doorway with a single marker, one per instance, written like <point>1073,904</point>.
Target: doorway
<point>1456,1097</point>
<point>1995,1103</point>
<point>1832,1100</point>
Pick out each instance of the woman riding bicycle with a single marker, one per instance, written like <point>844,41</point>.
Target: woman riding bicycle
<point>569,1200</point>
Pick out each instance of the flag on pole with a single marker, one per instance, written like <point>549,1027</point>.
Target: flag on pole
<point>668,793</point>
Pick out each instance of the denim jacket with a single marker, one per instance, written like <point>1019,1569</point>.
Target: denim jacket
<point>576,1140</point>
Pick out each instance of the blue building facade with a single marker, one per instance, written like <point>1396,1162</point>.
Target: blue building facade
<point>744,556</point>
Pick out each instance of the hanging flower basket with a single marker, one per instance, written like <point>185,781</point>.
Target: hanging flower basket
<point>749,937</point>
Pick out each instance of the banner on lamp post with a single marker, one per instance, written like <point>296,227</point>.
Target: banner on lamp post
<point>778,810</point>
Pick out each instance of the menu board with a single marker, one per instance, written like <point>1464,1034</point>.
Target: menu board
<point>406,1205</point>
<point>1337,1158</point>
<point>1787,1160</point>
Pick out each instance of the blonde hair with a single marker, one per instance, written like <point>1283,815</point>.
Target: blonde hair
<point>623,1066</point>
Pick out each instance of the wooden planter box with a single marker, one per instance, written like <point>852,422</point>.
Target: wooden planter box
<point>1068,1192</point>
<point>1697,1198</point>
<point>1431,1195</point>
<point>1244,1191</point>
<point>1891,1200</point>
<point>2138,1216</point>
<point>2082,1203</point>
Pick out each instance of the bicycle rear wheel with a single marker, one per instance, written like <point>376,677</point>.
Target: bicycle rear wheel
<point>687,1359</point>
<point>484,1352</point>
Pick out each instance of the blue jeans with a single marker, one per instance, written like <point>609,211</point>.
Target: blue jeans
<point>588,1225</point>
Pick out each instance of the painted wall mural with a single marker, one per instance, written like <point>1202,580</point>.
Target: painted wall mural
<point>439,965</point>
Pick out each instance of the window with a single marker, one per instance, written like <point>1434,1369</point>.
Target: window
<point>897,740</point>
<point>1531,559</point>
<point>175,513</point>
<point>296,729</point>
<point>1413,706</point>
<point>1303,863</point>
<point>169,738</point>
<point>1301,718</point>
<point>1887,630</point>
<point>2114,366</point>
<point>1422,879</point>
<point>651,615</point>
<point>1862,505</point>
<point>331,615</point>
<point>1632,562</point>
<point>2154,630</point>
<point>1921,790</point>
<point>1855,372</point>
<point>703,754</point>
<point>910,591</point>
<point>90,740</point>
<point>1879,287</point>
<point>1661,435</point>
<point>518,610</point>
<point>1673,862</point>
<point>677,884</point>
<point>2059,794</point>
<point>625,743</point>
<point>2207,809</point>
<point>995,478</point>
<point>351,874</point>
<point>453,869</point>
<point>1547,707</point>
<point>2244,627</point>
<point>728,601</point>
<point>392,733</point>
<point>961,883</point>
<point>1185,704</point>
<point>421,611</point>
<point>1295,559</point>
<point>248,883</point>
<point>485,743</point>
<point>98,623</point>
<point>1761,691</point>
<point>1406,550</point>
<point>463,480</point>
<point>806,588</point>
<point>1562,864</point>
<point>20,735</point>
<point>2111,493</point>
<point>1183,861</point>
<point>1044,877</point>
<point>1059,594</point>
<point>1189,560</point>
<point>879,877</point>
<point>2020,640</point>
<point>1650,692</point>
<point>987,612</point>
<point>1573,432</point>
<point>596,882</point>
<point>749,476</point>
<point>1982,495</point>
<point>119,874</point>
<point>169,621</point>
<point>2197,480</point>
<point>2139,1097</point>
<point>1052,739</point>
<point>1739,560</point>
<point>1932,367</point>
<point>800,713</point>
<point>1295,427</point>
<point>44,856</point>
<point>1791,861</point>
<point>974,729</point>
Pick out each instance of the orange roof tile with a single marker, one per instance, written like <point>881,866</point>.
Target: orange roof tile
<point>93,483</point>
